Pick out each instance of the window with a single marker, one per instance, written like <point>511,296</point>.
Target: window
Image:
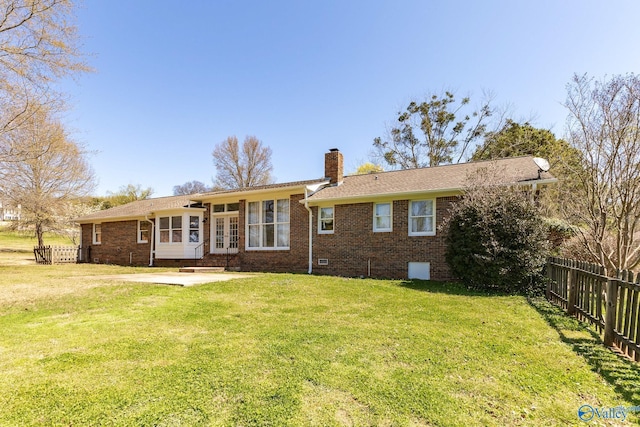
<point>421,218</point>
<point>194,229</point>
<point>233,233</point>
<point>97,234</point>
<point>170,229</point>
<point>268,224</point>
<point>382,217</point>
<point>219,233</point>
<point>143,231</point>
<point>325,220</point>
<point>229,207</point>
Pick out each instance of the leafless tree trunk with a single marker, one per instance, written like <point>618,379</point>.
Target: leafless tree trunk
<point>604,124</point>
<point>53,172</point>
<point>241,167</point>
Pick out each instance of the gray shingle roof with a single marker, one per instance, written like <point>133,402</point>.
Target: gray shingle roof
<point>260,188</point>
<point>139,208</point>
<point>448,178</point>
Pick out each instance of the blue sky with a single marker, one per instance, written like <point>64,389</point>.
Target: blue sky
<point>175,78</point>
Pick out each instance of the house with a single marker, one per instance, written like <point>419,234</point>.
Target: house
<point>10,212</point>
<point>378,225</point>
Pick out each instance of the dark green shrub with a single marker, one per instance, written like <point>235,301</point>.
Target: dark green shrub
<point>497,240</point>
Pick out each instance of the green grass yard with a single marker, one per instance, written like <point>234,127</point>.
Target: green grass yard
<point>280,349</point>
<point>17,241</point>
<point>17,247</point>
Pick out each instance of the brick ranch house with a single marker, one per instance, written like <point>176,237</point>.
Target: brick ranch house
<point>379,225</point>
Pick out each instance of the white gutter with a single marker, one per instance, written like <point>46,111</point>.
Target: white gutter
<point>152,240</point>
<point>306,205</point>
<point>313,188</point>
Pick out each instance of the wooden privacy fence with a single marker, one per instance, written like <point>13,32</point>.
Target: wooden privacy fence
<point>612,304</point>
<point>56,254</point>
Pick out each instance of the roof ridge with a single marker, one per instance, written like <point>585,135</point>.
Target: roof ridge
<point>445,166</point>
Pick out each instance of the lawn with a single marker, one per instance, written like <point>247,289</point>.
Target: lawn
<point>17,247</point>
<point>25,241</point>
<point>280,349</point>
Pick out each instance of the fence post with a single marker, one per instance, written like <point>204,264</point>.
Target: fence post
<point>610,315</point>
<point>549,278</point>
<point>572,282</point>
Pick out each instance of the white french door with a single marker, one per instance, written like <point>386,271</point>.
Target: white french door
<point>225,234</point>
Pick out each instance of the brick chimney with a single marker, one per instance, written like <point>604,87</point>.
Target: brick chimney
<point>333,166</point>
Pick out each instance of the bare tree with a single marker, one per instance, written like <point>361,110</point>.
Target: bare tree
<point>604,125</point>
<point>241,167</point>
<point>38,41</point>
<point>54,173</point>
<point>38,45</point>
<point>63,224</point>
<point>191,187</point>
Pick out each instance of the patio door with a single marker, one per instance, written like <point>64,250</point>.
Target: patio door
<point>225,234</point>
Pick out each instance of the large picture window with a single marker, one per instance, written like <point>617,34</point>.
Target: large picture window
<point>268,224</point>
<point>422,218</point>
<point>325,220</point>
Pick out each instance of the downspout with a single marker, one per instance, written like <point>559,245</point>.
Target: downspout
<point>152,240</point>
<point>306,205</point>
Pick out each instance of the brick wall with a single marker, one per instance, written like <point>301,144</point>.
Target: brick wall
<point>355,250</point>
<point>119,244</point>
<point>294,260</point>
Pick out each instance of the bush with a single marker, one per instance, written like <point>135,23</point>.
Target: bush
<point>497,240</point>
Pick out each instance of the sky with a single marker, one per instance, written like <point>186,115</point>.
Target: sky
<point>172,79</point>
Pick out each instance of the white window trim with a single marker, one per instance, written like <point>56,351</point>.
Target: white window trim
<point>333,218</point>
<point>171,229</point>
<point>226,208</point>
<point>93,234</point>
<point>140,221</point>
<point>261,225</point>
<point>189,229</point>
<point>383,230</point>
<point>433,220</point>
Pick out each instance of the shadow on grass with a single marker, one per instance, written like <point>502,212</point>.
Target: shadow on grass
<point>617,370</point>
<point>449,288</point>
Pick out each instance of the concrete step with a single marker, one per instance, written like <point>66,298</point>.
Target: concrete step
<point>201,270</point>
